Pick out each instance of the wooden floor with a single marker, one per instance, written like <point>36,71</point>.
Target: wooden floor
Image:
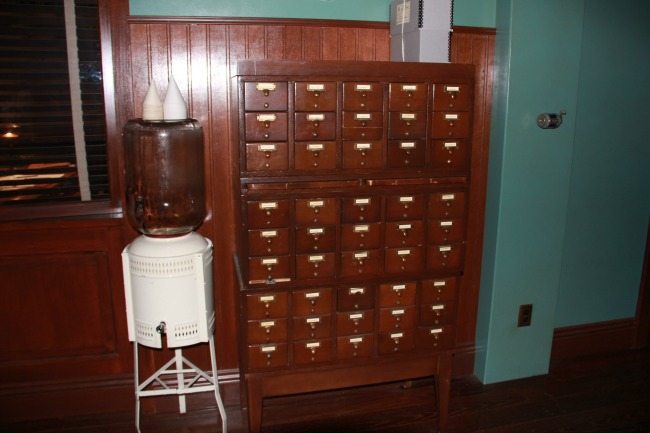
<point>599,394</point>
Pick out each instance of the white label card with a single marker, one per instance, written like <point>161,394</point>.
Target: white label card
<point>409,87</point>
<point>267,349</point>
<point>356,316</point>
<point>397,312</point>
<point>270,261</point>
<point>444,248</point>
<point>408,116</point>
<point>269,205</point>
<point>312,295</point>
<point>361,201</point>
<point>316,203</point>
<point>361,228</point>
<point>354,340</point>
<point>436,331</point>
<point>266,117</point>
<point>438,307</point>
<point>268,298</point>
<point>404,226</point>
<point>363,87</point>
<point>269,233</point>
<point>313,320</point>
<point>361,255</point>
<point>315,147</point>
<point>268,324</point>
<point>357,290</point>
<point>265,86</point>
<point>407,145</point>
<point>397,335</point>
<point>450,144</point>
<point>439,283</point>
<point>315,259</point>
<point>451,89</point>
<point>317,231</point>
<point>362,146</point>
<point>315,117</point>
<point>398,287</point>
<point>313,87</point>
<point>446,223</point>
<point>267,147</point>
<point>312,345</point>
<point>451,116</point>
<point>403,252</point>
<point>448,196</point>
<point>362,116</point>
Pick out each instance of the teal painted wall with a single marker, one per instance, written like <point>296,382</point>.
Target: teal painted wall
<point>609,201</point>
<point>538,54</point>
<point>479,13</point>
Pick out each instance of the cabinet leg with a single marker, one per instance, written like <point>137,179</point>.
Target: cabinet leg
<point>254,406</point>
<point>443,388</point>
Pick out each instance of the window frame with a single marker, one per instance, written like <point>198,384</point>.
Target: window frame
<point>114,41</point>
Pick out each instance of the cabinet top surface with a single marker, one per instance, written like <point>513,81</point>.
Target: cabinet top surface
<point>394,70</point>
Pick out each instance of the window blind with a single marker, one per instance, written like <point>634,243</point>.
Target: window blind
<point>37,150</point>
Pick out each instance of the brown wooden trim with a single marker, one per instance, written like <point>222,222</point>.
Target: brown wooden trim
<point>475,30</point>
<point>137,19</point>
<point>593,338</point>
<point>643,302</point>
<point>98,208</point>
<point>463,361</point>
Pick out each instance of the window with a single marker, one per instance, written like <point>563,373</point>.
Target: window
<point>52,123</point>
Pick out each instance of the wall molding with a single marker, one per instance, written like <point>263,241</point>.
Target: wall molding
<point>593,339</point>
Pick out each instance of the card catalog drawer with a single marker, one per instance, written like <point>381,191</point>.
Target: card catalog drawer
<point>363,154</point>
<point>266,126</point>
<point>450,154</point>
<point>360,263</point>
<point>439,289</point>
<point>315,239</point>
<point>268,268</point>
<point>447,257</point>
<point>396,342</point>
<point>446,230</point>
<point>360,236</point>
<point>268,213</point>
<point>396,319</point>
<point>316,265</point>
<point>451,97</point>
<point>361,208</point>
<point>266,331</point>
<point>316,211</point>
<point>315,96</point>
<point>435,337</point>
<point>447,204</point>
<point>266,156</point>
<point>265,96</point>
<point>265,356</point>
<point>266,305</point>
<point>355,322</point>
<point>404,259</point>
<point>439,313</point>
<point>310,327</point>
<point>312,351</point>
<point>397,294</point>
<point>404,233</point>
<point>407,124</point>
<point>358,297</point>
<point>268,242</point>
<point>450,124</point>
<point>315,126</point>
<point>312,301</point>
<point>405,207</point>
<point>356,346</point>
<point>405,153</point>
<point>363,96</point>
<point>407,96</point>
<point>315,155</point>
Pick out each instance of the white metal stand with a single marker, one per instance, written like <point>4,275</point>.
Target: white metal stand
<point>180,377</point>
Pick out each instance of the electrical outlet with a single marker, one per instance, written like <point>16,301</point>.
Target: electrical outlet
<point>525,315</point>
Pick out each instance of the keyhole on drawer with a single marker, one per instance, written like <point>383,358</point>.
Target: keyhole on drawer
<point>266,105</point>
<point>267,125</point>
<point>316,154</point>
<point>265,92</point>
<point>364,123</point>
<point>452,123</point>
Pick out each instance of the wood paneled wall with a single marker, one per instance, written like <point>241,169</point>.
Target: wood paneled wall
<point>64,342</point>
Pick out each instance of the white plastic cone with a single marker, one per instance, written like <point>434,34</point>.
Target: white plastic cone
<point>174,107</point>
<point>152,107</point>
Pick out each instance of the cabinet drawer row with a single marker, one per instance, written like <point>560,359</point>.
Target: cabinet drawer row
<point>367,95</point>
<point>326,299</point>
<point>437,258</point>
<point>327,210</point>
<point>352,236</point>
<point>262,331</point>
<point>330,155</point>
<point>341,349</point>
<point>272,127</point>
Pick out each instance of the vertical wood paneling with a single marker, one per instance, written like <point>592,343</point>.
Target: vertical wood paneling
<point>293,43</point>
<point>347,44</point>
<point>275,42</point>
<point>256,42</point>
<point>365,44</point>
<point>312,43</point>
<point>382,45</point>
<point>140,61</point>
<point>329,43</point>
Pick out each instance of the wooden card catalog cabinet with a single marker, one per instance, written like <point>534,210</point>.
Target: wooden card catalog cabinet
<point>354,180</point>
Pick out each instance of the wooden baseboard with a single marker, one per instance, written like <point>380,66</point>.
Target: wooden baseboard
<point>593,338</point>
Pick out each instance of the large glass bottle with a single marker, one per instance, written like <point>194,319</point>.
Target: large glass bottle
<point>165,190</point>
